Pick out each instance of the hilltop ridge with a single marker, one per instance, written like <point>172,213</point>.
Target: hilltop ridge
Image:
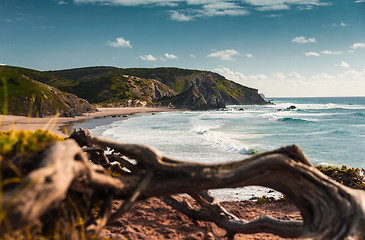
<point>175,87</point>
<point>71,92</point>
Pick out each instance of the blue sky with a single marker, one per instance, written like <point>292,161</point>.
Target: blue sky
<point>281,47</point>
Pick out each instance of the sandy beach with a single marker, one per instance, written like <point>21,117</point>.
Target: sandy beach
<point>153,219</point>
<point>54,124</point>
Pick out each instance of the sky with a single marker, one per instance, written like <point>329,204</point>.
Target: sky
<point>284,48</point>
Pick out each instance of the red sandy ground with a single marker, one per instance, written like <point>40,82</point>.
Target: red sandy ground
<point>153,219</point>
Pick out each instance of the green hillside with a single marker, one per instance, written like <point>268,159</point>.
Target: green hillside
<point>109,84</point>
<point>22,95</point>
<point>112,87</point>
<point>44,77</point>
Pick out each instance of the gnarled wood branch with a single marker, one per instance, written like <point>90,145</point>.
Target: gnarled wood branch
<point>329,209</point>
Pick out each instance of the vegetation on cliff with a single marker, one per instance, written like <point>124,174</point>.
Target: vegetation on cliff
<point>22,94</point>
<point>119,89</point>
<point>181,88</point>
<point>29,91</point>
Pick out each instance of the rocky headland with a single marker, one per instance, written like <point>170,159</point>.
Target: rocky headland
<point>73,92</point>
<point>174,87</point>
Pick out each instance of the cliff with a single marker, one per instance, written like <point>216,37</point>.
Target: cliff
<point>181,88</point>
<point>22,95</point>
<point>119,90</point>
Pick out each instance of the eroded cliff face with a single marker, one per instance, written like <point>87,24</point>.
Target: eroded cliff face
<point>149,90</point>
<point>206,90</point>
<point>193,99</point>
<point>174,87</point>
<point>52,102</point>
<point>197,97</point>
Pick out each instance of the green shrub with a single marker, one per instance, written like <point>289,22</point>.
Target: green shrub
<point>265,199</point>
<point>19,153</point>
<point>350,177</point>
<point>24,142</point>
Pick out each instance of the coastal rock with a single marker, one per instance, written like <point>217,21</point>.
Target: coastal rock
<point>193,99</point>
<point>214,88</point>
<point>180,88</point>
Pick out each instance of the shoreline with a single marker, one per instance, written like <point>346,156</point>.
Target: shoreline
<point>59,125</point>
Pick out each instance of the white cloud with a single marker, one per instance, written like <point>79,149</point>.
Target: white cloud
<point>192,9</point>
<point>5,19</point>
<point>358,45</point>
<point>222,8</point>
<point>61,2</point>
<point>341,24</point>
<point>127,2</point>
<point>209,9</point>
<point>343,64</point>
<point>231,75</point>
<point>328,52</point>
<point>354,75</point>
<point>279,76</point>
<point>303,40</point>
<point>270,5</point>
<point>312,54</point>
<point>224,3</point>
<point>120,43</point>
<point>294,75</point>
<point>274,7</point>
<point>360,1</point>
<point>323,76</point>
<point>168,4</point>
<point>249,55</point>
<point>347,83</point>
<point>274,15</point>
<point>148,58</point>
<point>201,8</point>
<point>175,15</point>
<point>2,64</point>
<point>225,54</point>
<point>192,55</point>
<point>170,56</point>
<point>258,77</point>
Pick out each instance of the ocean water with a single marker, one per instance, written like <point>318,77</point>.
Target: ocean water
<point>330,131</point>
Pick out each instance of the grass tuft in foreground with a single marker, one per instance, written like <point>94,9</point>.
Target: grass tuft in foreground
<point>19,155</point>
<point>26,143</point>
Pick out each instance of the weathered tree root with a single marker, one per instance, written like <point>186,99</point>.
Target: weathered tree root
<point>329,209</point>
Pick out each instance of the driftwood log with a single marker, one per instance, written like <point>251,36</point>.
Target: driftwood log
<point>329,210</point>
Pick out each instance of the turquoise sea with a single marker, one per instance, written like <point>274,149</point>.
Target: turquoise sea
<point>329,130</point>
